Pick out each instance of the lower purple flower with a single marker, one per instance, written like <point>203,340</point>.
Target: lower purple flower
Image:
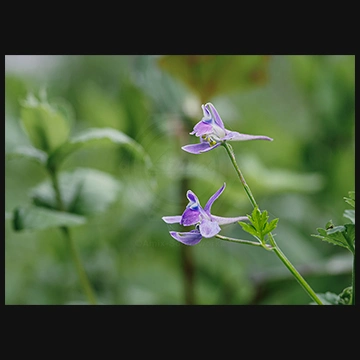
<point>206,224</point>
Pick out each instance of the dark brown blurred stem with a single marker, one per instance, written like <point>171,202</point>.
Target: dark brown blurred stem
<point>187,260</point>
<point>186,252</point>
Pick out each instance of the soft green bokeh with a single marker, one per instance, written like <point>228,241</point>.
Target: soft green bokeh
<point>305,103</point>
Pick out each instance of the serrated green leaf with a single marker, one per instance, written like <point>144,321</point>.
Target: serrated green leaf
<point>255,218</point>
<point>28,152</point>
<point>249,228</point>
<point>321,231</point>
<point>36,218</point>
<point>335,236</point>
<point>350,202</point>
<point>351,199</point>
<point>46,127</point>
<point>264,216</point>
<point>350,236</point>
<point>259,224</point>
<point>335,229</point>
<point>97,136</point>
<point>271,226</point>
<point>263,221</point>
<point>84,191</point>
<point>350,214</point>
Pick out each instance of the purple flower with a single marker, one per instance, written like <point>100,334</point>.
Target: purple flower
<point>212,132</point>
<point>206,224</point>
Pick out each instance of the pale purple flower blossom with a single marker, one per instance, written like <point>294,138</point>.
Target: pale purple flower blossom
<point>206,224</point>
<point>212,132</point>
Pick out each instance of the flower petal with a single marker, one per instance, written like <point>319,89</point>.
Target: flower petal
<point>190,217</point>
<point>192,237</point>
<point>172,219</point>
<point>209,228</point>
<point>199,148</point>
<point>206,112</point>
<point>228,220</point>
<point>235,136</point>
<point>211,147</point>
<point>202,128</point>
<point>192,197</point>
<point>215,114</point>
<point>208,205</point>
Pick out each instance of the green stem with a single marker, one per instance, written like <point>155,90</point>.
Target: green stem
<point>241,241</point>
<point>274,246</point>
<point>55,183</point>
<point>79,266</point>
<point>353,283</point>
<point>293,270</point>
<point>231,154</point>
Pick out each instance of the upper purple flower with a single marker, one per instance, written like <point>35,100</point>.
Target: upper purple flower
<point>206,224</point>
<point>212,132</point>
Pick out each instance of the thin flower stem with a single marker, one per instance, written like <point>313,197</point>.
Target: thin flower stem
<point>66,231</point>
<point>353,283</point>
<point>274,246</point>
<point>295,273</point>
<point>246,242</point>
<point>231,154</point>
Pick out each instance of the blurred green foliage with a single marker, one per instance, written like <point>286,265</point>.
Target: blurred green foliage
<point>306,103</point>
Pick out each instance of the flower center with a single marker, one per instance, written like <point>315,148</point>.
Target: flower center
<point>218,131</point>
<point>216,135</point>
<point>209,139</point>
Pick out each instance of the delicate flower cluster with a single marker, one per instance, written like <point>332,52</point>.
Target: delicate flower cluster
<point>212,133</point>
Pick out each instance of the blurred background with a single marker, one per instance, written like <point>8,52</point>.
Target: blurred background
<point>305,103</point>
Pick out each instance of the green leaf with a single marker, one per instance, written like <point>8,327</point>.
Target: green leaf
<point>339,235</point>
<point>46,126</point>
<point>259,226</point>
<point>329,225</point>
<point>345,296</point>
<point>84,192</point>
<point>335,238</point>
<point>350,236</point>
<point>351,199</point>
<point>350,214</point>
<point>271,226</point>
<point>28,152</point>
<point>249,228</point>
<point>328,298</point>
<point>263,220</point>
<point>97,136</point>
<point>35,218</point>
<point>211,75</point>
